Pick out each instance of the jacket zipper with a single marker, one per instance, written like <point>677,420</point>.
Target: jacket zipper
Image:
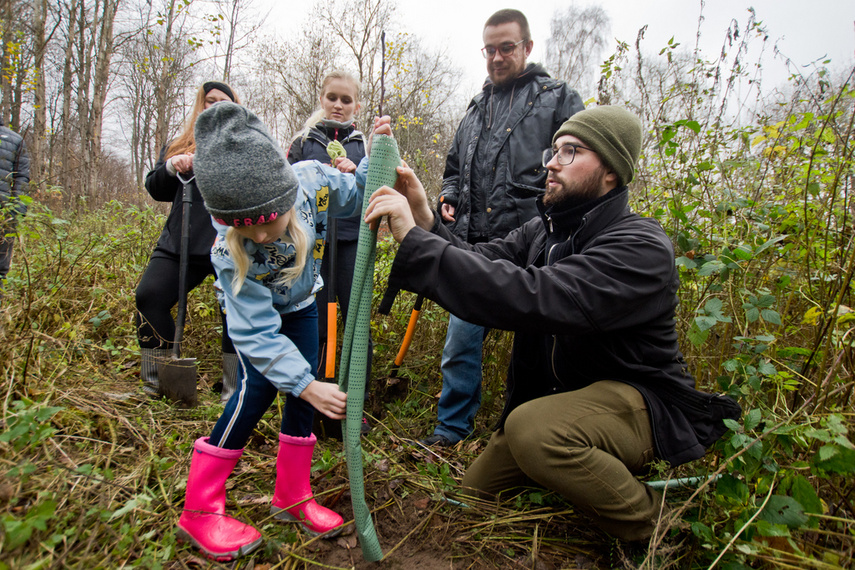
<point>552,360</point>
<point>549,253</point>
<point>554,338</point>
<point>548,260</point>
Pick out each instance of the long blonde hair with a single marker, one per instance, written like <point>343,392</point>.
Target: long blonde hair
<point>185,143</point>
<point>318,115</point>
<point>294,233</point>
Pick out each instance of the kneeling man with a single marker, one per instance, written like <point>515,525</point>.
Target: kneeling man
<point>597,386</point>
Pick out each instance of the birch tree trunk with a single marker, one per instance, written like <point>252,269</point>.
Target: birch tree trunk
<point>37,145</point>
<point>165,87</point>
<point>66,152</point>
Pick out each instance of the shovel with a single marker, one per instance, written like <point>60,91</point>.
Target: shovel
<point>177,375</point>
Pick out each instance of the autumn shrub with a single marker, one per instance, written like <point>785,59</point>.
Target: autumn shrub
<point>760,214</point>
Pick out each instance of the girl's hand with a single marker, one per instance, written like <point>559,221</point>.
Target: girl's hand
<point>345,165</point>
<point>326,398</point>
<point>183,163</point>
<point>382,126</point>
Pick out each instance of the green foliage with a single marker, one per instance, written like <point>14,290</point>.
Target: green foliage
<point>765,269</point>
<point>18,531</point>
<point>441,473</point>
<point>27,424</point>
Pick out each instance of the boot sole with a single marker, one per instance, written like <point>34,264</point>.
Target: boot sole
<point>184,536</point>
<point>285,516</point>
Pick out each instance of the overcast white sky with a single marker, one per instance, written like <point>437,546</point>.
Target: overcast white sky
<point>803,30</point>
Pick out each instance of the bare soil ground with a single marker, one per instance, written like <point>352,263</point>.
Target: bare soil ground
<point>419,519</point>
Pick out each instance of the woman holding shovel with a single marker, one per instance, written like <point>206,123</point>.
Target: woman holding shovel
<point>271,221</point>
<point>330,136</point>
<point>158,289</point>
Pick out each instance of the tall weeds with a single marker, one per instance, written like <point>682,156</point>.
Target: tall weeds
<point>756,193</point>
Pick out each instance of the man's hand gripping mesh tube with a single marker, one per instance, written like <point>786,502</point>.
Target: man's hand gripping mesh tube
<point>354,362</point>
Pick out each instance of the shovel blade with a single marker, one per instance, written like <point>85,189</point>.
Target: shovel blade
<point>177,379</point>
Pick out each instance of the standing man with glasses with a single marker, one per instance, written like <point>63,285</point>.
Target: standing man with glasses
<point>493,174</point>
<point>597,387</point>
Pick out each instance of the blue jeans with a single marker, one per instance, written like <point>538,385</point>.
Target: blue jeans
<point>254,393</point>
<point>461,379</point>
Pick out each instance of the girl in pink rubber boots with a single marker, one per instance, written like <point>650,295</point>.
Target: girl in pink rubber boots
<point>271,222</point>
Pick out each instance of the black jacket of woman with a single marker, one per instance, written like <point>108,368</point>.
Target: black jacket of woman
<point>313,146</point>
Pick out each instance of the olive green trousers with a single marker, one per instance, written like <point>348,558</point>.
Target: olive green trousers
<point>587,445</point>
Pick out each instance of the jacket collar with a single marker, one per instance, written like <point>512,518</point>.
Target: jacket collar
<point>492,96</point>
<point>329,131</point>
<point>582,221</point>
<point>533,72</point>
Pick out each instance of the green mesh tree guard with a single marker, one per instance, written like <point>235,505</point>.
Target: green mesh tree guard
<point>354,362</point>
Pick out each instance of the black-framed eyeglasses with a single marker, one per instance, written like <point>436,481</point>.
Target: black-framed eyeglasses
<point>505,49</point>
<point>566,153</point>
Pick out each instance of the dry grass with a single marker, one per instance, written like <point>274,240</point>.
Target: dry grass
<point>99,482</point>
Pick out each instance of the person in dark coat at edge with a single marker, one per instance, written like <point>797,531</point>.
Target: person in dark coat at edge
<point>157,291</point>
<point>492,177</point>
<point>14,183</point>
<point>334,124</point>
<point>597,386</point>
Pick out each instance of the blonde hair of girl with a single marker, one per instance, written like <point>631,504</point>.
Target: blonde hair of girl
<point>295,234</point>
<point>318,115</point>
<point>185,143</point>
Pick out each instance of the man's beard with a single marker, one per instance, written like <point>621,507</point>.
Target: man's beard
<point>577,191</point>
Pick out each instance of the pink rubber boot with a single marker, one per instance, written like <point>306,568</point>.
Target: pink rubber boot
<point>203,521</point>
<point>292,500</point>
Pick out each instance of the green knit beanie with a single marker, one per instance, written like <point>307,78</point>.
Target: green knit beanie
<point>612,132</point>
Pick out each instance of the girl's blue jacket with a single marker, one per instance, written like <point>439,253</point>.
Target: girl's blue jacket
<point>254,314</point>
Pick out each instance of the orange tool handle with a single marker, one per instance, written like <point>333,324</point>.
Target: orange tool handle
<point>332,342</point>
<point>411,331</point>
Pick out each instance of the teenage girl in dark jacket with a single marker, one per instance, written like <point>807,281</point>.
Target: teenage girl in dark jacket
<point>157,291</point>
<point>334,122</point>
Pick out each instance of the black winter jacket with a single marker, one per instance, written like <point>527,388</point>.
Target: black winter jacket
<point>14,170</point>
<point>164,187</point>
<point>314,147</point>
<point>595,305</point>
<point>533,107</point>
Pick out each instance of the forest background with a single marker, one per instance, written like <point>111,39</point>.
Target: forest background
<point>753,183</point>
